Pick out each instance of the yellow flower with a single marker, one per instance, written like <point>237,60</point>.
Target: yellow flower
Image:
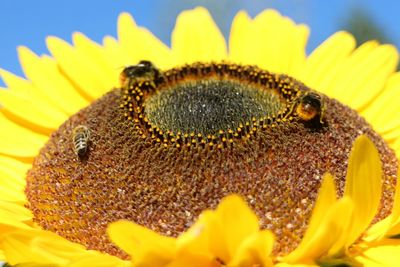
<point>339,230</point>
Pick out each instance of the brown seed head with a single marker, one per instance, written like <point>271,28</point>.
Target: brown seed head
<point>164,149</point>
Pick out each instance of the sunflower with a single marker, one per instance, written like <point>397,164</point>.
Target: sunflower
<point>300,171</point>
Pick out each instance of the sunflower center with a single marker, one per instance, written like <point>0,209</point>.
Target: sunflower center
<point>168,145</point>
<point>213,104</point>
<point>208,106</point>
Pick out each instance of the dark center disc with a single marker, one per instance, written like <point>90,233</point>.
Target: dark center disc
<point>210,105</point>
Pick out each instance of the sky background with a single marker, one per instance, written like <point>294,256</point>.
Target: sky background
<point>29,22</point>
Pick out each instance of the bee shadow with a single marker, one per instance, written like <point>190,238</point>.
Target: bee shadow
<point>315,125</point>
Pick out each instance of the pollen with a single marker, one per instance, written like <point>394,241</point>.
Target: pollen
<point>164,147</point>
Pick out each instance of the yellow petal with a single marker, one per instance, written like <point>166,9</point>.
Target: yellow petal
<point>85,76</point>
<point>16,250</point>
<point>138,43</point>
<point>326,224</point>
<point>278,42</point>
<point>394,218</point>
<point>95,54</point>
<point>18,212</point>
<point>265,23</point>
<point>380,256</point>
<point>346,66</point>
<point>21,110</point>
<point>45,75</point>
<point>197,238</point>
<point>13,215</point>
<point>240,39</point>
<point>396,147</point>
<point>237,221</point>
<point>115,54</point>
<point>215,234</point>
<point>390,225</point>
<point>283,264</point>
<point>333,225</point>
<point>32,69</point>
<point>217,243</point>
<point>193,261</point>
<point>25,105</point>
<point>144,245</point>
<point>13,170</point>
<point>380,111</point>
<point>41,247</point>
<point>15,196</point>
<point>16,166</point>
<point>35,264</point>
<point>391,136</point>
<point>270,41</point>
<point>18,141</point>
<point>326,198</point>
<point>196,37</point>
<point>151,258</point>
<point>325,61</point>
<point>254,251</point>
<point>363,185</point>
<point>56,249</point>
<point>28,91</point>
<point>378,231</point>
<point>298,52</point>
<point>12,185</point>
<point>363,76</point>
<point>99,260</point>
<point>392,132</point>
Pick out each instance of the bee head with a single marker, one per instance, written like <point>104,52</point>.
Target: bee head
<point>310,107</point>
<point>144,69</point>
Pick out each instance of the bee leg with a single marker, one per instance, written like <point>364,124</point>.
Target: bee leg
<point>322,114</point>
<point>290,111</point>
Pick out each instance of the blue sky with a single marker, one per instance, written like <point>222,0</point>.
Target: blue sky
<point>29,22</point>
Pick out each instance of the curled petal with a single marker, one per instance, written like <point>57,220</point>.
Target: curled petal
<point>255,250</point>
<point>145,246</point>
<point>363,185</point>
<point>329,221</point>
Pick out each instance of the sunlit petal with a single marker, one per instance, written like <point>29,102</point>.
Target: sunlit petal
<point>329,221</point>
<point>140,44</point>
<point>363,185</point>
<point>196,37</point>
<point>142,243</point>
<point>326,60</point>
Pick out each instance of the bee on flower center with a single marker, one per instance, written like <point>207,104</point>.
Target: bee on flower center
<point>80,138</point>
<point>143,71</point>
<point>310,107</point>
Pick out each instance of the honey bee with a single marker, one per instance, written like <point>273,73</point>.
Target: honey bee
<point>80,138</point>
<point>144,70</point>
<point>310,107</point>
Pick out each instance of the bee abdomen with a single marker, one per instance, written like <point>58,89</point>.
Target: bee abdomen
<point>81,148</point>
<point>80,137</point>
